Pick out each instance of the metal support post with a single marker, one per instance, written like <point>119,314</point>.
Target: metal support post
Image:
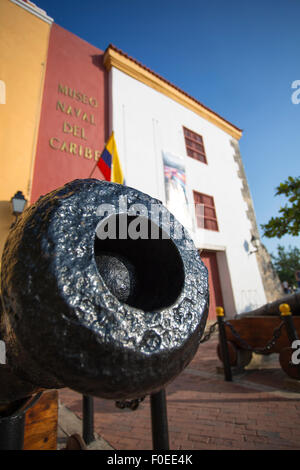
<point>223,344</point>
<point>160,433</point>
<point>286,314</point>
<point>88,419</point>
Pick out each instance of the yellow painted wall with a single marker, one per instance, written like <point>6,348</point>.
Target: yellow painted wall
<point>23,52</point>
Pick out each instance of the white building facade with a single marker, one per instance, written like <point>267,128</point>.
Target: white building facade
<point>149,122</point>
<point>170,146</point>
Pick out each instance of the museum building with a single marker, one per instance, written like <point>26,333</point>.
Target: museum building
<point>60,100</point>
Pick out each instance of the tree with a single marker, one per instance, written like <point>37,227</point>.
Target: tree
<point>286,262</point>
<point>289,220</point>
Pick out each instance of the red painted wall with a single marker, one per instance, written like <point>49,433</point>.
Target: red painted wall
<point>73,121</point>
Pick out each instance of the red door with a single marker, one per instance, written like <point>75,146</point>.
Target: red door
<point>209,258</point>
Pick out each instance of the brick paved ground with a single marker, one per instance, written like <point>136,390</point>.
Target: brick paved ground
<point>257,410</point>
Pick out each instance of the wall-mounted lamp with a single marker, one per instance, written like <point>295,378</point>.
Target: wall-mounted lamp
<point>255,242</point>
<point>18,204</point>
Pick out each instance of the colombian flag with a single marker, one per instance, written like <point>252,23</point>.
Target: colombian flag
<point>109,162</point>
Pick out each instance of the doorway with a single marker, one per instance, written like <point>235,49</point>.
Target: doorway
<point>209,258</point>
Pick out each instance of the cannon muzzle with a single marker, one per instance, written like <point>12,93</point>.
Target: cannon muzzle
<point>103,291</point>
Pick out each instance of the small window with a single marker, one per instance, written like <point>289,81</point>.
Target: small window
<point>194,145</point>
<point>205,211</point>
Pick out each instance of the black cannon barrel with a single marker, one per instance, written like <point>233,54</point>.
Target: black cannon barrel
<point>92,303</point>
<point>272,308</point>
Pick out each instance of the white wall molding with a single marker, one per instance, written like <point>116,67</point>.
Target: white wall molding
<point>35,10</point>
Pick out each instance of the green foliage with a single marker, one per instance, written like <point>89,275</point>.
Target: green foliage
<point>289,220</point>
<point>286,262</point>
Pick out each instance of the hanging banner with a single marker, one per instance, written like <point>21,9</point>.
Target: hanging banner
<point>176,191</point>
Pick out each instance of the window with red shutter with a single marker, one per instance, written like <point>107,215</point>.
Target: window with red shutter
<point>194,145</point>
<point>205,211</point>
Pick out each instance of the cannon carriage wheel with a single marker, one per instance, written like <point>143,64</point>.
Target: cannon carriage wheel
<point>237,357</point>
<point>285,360</point>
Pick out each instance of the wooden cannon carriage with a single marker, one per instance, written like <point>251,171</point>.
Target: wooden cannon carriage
<point>252,331</point>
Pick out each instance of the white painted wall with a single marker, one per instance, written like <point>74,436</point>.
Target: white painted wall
<point>146,123</point>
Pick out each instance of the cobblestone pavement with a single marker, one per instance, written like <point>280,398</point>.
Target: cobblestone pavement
<point>260,409</point>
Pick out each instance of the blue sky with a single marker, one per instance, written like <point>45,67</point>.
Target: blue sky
<point>238,58</point>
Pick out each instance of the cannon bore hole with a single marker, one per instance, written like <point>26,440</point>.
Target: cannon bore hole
<point>144,273</point>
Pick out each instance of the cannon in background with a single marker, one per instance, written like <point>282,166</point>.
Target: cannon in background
<point>265,331</point>
<point>272,308</point>
<point>116,318</point>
